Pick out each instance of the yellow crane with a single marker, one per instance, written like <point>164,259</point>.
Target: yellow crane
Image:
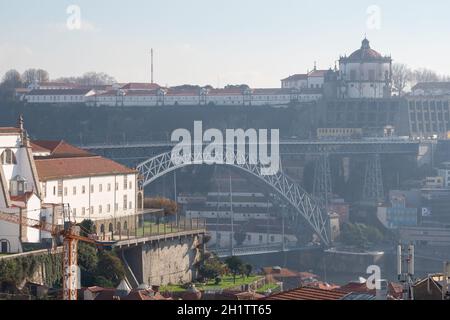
<point>70,234</point>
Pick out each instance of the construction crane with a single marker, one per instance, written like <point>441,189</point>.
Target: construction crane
<point>70,233</point>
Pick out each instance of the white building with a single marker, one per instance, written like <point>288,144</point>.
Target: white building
<point>444,172</point>
<point>431,89</point>
<point>19,188</point>
<point>311,80</point>
<point>365,74</point>
<point>60,96</point>
<point>40,178</point>
<point>93,187</point>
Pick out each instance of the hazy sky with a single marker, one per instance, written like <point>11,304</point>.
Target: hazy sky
<point>217,42</point>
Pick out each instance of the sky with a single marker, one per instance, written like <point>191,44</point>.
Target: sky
<point>256,42</point>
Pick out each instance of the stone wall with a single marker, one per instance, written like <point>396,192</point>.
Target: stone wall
<point>170,261</point>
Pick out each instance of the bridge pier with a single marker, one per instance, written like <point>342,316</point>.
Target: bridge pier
<point>165,260</point>
<point>373,191</point>
<point>322,188</point>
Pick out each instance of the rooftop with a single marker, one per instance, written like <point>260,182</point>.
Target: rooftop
<point>308,293</point>
<point>58,168</point>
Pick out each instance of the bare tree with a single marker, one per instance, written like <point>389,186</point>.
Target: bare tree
<point>35,75</point>
<point>89,79</point>
<point>12,79</point>
<point>425,75</point>
<point>401,77</point>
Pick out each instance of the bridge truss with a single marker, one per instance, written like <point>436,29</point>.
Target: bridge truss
<point>304,205</point>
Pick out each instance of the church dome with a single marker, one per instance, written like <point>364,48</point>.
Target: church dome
<point>365,53</point>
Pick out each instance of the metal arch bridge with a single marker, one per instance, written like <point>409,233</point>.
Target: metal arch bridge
<point>292,147</point>
<point>304,205</point>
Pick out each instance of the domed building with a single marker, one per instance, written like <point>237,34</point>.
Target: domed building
<point>365,74</point>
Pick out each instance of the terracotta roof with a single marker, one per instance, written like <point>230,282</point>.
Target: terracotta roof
<point>9,130</point>
<point>357,287</point>
<point>307,293</point>
<point>145,295</point>
<point>42,92</point>
<point>58,149</point>
<point>365,53</point>
<point>296,77</point>
<point>57,168</point>
<point>322,285</point>
<point>317,73</point>
<point>25,197</point>
<point>141,86</point>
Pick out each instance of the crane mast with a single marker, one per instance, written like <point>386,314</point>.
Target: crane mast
<point>70,234</point>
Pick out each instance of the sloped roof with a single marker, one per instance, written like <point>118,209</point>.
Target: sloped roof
<point>58,168</point>
<point>296,77</point>
<point>308,293</point>
<point>58,149</point>
<point>141,86</point>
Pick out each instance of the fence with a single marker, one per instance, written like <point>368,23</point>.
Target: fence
<point>147,227</point>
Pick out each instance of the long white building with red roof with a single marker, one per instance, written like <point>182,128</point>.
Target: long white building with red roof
<point>40,179</point>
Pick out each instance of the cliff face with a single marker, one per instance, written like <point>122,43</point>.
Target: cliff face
<point>79,124</point>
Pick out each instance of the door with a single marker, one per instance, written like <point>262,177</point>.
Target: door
<point>4,246</point>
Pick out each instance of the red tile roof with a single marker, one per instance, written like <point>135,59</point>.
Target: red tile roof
<point>307,293</point>
<point>357,287</point>
<point>9,130</point>
<point>58,149</point>
<point>296,77</point>
<point>44,92</point>
<point>58,168</point>
<point>141,86</point>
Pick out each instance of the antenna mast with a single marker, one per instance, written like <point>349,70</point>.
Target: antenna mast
<point>151,52</point>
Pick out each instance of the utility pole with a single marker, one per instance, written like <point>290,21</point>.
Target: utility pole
<point>232,216</point>
<point>406,277</point>
<point>151,53</point>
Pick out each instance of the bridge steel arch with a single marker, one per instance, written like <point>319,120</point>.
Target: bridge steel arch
<point>304,204</point>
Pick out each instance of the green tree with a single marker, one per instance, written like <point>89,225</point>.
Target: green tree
<point>234,264</point>
<point>110,267</point>
<point>211,268</point>
<point>248,268</point>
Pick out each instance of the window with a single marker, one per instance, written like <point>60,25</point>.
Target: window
<point>92,188</point>
<point>83,189</point>
<point>125,202</point>
<point>109,187</point>
<point>108,208</point>
<point>371,75</point>
<point>352,75</point>
<point>60,188</point>
<point>92,210</point>
<point>117,186</point>
<point>74,190</point>
<point>100,209</point>
<point>100,188</point>
<point>44,189</point>
<point>130,205</point>
<point>8,157</point>
<point>74,211</point>
<point>130,185</point>
<point>116,207</point>
<point>65,191</point>
<point>83,211</point>
<point>54,190</point>
<point>125,182</point>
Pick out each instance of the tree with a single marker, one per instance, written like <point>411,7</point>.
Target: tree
<point>425,75</point>
<point>169,206</point>
<point>87,254</point>
<point>211,268</point>
<point>240,236</point>
<point>89,79</point>
<point>234,264</point>
<point>248,268</point>
<point>12,80</point>
<point>401,77</point>
<point>110,268</point>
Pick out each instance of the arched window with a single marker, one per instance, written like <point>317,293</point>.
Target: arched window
<point>119,226</point>
<point>110,228</point>
<point>8,157</point>
<point>125,226</point>
<point>102,228</point>
<point>5,246</point>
